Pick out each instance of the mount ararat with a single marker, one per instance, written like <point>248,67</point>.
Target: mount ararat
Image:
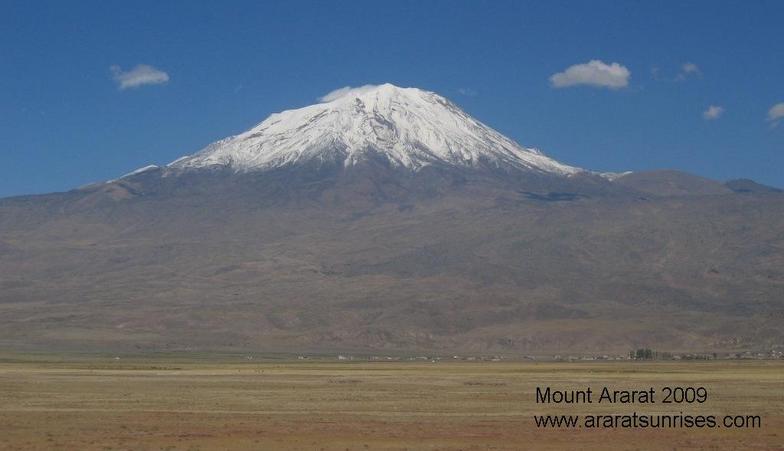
<point>387,219</point>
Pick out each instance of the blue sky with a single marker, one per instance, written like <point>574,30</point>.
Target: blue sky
<point>92,90</point>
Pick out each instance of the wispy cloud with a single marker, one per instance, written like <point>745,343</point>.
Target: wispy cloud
<point>467,92</point>
<point>776,114</point>
<point>593,73</point>
<point>712,113</point>
<point>688,70</point>
<point>344,91</point>
<point>140,75</point>
<point>685,72</point>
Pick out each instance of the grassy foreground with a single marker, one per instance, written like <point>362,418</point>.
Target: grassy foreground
<point>176,404</point>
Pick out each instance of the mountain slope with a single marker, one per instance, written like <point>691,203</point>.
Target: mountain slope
<point>468,270</point>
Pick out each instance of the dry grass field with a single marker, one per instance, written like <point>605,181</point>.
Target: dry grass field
<point>207,404</point>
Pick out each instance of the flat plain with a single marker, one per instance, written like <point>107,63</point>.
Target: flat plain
<point>233,403</point>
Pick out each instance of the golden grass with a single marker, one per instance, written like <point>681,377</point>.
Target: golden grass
<point>320,405</point>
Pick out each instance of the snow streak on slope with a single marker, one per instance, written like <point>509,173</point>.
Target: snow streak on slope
<point>412,128</point>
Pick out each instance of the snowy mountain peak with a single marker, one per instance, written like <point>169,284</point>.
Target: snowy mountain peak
<point>410,127</point>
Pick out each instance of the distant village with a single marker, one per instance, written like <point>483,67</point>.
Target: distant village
<point>642,354</point>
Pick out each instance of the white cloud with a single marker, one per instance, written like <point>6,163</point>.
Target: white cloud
<point>688,70</point>
<point>776,113</point>
<point>593,73</point>
<point>712,113</point>
<point>467,92</point>
<point>344,91</point>
<point>140,75</point>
